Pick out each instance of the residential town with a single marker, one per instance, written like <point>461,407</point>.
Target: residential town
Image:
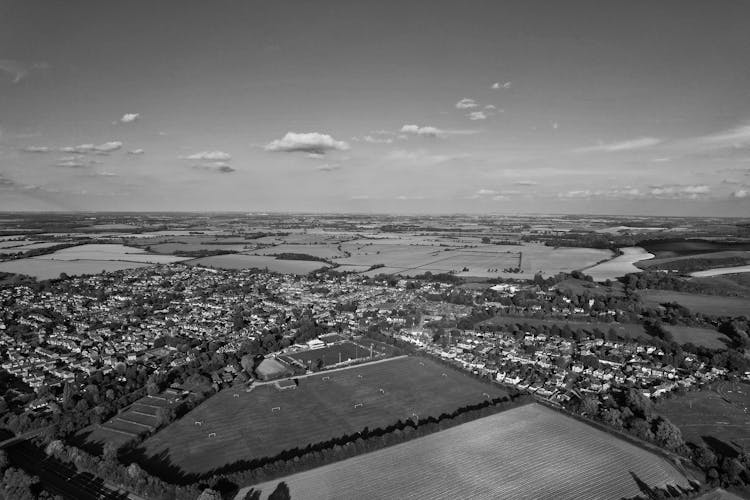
<point>115,321</point>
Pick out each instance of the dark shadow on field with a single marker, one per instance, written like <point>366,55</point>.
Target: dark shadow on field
<point>648,492</point>
<point>720,447</point>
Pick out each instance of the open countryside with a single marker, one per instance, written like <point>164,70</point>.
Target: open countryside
<point>529,452</point>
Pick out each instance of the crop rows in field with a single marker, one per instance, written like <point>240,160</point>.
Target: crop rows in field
<point>529,452</point>
<point>266,421</point>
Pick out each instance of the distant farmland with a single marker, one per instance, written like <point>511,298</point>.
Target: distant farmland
<point>529,452</point>
<point>322,407</point>
<point>242,261</point>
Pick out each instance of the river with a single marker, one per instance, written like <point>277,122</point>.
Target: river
<point>620,265</point>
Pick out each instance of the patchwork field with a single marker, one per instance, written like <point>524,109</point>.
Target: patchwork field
<point>705,304</point>
<point>721,411</point>
<point>321,407</point>
<point>479,260</point>
<point>242,261</point>
<point>529,452</point>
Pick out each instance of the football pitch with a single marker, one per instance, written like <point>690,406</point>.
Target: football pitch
<point>237,425</point>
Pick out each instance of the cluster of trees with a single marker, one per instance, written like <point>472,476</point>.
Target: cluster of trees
<point>15,484</point>
<point>132,477</point>
<point>632,412</point>
<point>669,281</point>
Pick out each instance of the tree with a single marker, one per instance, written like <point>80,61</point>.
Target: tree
<point>668,435</point>
<point>3,461</point>
<point>109,451</point>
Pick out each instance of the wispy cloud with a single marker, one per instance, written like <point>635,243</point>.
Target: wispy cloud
<point>218,166</point>
<point>103,148</point>
<point>430,131</point>
<point>328,167</point>
<point>138,151</point>
<point>36,149</point>
<point>466,103</point>
<point>307,142</point>
<point>477,115</point>
<point>498,85</point>
<point>420,157</point>
<point>209,156</point>
<point>19,70</point>
<point>129,117</point>
<point>613,147</point>
<point>525,183</point>
<point>75,162</point>
<point>377,140</point>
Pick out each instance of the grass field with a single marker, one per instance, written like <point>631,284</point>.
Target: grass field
<point>705,304</point>
<point>529,452</point>
<point>330,354</point>
<point>721,411</point>
<point>109,252</point>
<point>322,407</point>
<point>698,336</point>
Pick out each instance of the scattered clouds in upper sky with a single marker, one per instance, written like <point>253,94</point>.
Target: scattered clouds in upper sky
<point>477,115</point>
<point>138,151</point>
<point>129,117</point>
<point>430,131</point>
<point>612,147</point>
<point>209,156</point>
<point>19,70</point>
<point>308,142</point>
<point>427,130</point>
<point>36,149</point>
<point>466,103</point>
<point>221,167</point>
<point>498,85</point>
<point>103,148</point>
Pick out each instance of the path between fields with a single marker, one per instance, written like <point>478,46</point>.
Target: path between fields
<point>356,365</point>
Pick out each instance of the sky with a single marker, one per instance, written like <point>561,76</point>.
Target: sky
<point>413,106</point>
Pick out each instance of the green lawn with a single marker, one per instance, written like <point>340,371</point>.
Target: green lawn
<point>322,407</point>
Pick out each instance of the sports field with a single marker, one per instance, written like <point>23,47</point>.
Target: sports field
<point>529,452</point>
<point>266,421</point>
<point>333,354</point>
